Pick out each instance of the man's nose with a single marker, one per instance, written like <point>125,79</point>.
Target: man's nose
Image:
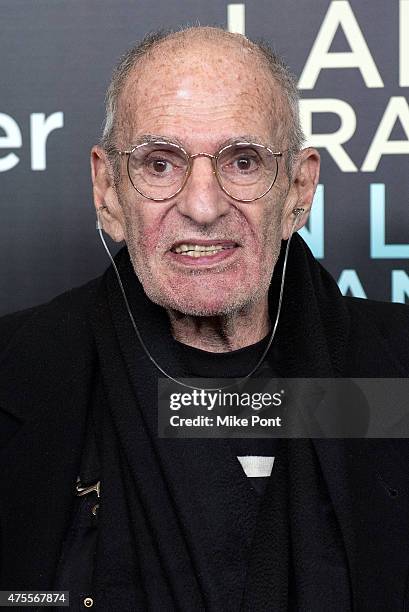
<point>202,199</point>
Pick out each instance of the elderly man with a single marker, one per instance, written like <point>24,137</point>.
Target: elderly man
<point>201,172</point>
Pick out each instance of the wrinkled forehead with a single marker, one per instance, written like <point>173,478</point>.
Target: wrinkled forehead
<point>200,78</point>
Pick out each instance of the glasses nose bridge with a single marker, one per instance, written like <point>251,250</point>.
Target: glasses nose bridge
<point>202,154</point>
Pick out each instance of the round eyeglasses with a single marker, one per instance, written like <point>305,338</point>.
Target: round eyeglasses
<point>159,169</point>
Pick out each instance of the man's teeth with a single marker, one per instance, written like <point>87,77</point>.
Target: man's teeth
<point>199,250</point>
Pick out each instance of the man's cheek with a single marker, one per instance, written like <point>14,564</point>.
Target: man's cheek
<point>143,235</point>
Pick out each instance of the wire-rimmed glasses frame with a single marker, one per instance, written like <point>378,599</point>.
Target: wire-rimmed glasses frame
<point>214,158</point>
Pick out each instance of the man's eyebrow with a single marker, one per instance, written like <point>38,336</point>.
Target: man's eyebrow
<point>243,138</point>
<point>152,137</point>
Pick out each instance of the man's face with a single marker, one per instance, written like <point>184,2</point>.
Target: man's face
<point>202,98</point>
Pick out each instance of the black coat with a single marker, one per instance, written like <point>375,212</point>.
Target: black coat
<point>48,364</point>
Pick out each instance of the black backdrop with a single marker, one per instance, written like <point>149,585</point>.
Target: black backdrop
<point>352,59</point>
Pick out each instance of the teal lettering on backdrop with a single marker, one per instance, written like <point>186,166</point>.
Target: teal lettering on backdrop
<point>400,286</point>
<point>314,233</point>
<point>350,284</point>
<point>379,248</point>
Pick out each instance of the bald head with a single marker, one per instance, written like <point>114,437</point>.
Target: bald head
<point>222,59</point>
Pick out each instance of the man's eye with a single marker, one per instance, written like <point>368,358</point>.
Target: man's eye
<point>244,163</point>
<point>159,166</point>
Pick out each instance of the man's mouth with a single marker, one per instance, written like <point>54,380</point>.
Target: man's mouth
<point>200,250</point>
<point>204,251</point>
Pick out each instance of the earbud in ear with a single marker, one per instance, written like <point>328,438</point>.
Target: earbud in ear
<point>98,223</point>
<point>297,212</point>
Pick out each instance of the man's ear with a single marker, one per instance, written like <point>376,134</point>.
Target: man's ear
<point>105,197</point>
<point>302,189</point>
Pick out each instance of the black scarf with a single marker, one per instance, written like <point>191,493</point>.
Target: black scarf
<point>179,528</point>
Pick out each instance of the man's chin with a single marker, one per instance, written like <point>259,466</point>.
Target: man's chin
<point>197,306</point>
